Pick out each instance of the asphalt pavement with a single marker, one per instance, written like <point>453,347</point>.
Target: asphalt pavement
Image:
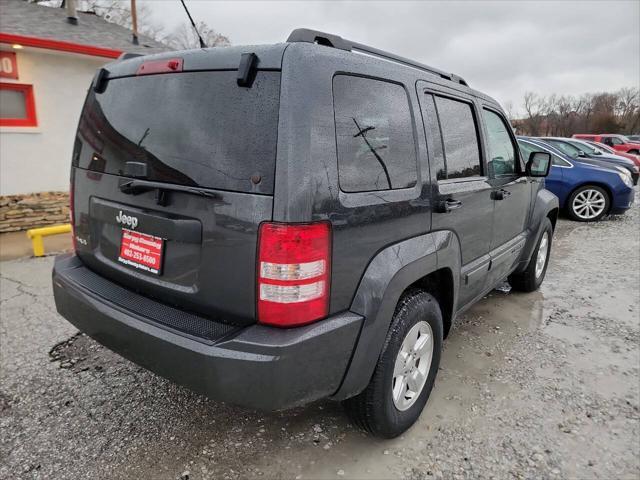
<point>541,385</point>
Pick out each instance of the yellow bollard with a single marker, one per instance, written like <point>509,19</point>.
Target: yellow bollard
<point>36,234</point>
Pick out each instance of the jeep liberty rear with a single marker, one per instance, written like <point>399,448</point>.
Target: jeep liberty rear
<point>272,225</point>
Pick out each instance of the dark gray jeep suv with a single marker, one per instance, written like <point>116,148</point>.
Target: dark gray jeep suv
<point>272,225</point>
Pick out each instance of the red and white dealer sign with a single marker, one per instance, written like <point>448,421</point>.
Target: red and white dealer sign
<point>141,251</point>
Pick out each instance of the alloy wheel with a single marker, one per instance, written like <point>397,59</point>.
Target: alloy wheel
<point>588,204</point>
<point>412,365</point>
<point>543,252</point>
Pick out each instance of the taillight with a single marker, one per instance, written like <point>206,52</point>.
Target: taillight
<point>294,263</point>
<point>71,214</point>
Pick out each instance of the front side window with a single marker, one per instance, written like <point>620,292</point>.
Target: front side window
<point>526,149</point>
<point>566,148</point>
<point>374,135</point>
<point>616,141</point>
<point>502,154</point>
<point>585,147</point>
<point>604,148</point>
<point>460,138</point>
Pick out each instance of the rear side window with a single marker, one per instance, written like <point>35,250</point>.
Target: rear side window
<point>374,135</point>
<point>191,128</point>
<point>460,138</point>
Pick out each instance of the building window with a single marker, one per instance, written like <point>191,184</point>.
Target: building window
<point>17,108</point>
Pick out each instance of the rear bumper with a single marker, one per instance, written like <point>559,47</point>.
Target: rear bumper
<point>258,366</point>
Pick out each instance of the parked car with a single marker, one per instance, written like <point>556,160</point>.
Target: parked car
<point>269,227</point>
<point>586,190</point>
<point>634,138</point>
<point>583,150</point>
<point>593,152</point>
<point>620,143</point>
<point>608,150</point>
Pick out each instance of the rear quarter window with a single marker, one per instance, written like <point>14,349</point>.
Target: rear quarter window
<point>374,135</point>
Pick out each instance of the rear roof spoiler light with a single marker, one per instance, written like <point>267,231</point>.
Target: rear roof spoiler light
<point>170,65</point>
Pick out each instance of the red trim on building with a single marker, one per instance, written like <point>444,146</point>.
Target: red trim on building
<point>30,119</point>
<point>59,45</point>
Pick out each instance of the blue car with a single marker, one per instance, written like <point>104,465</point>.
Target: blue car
<point>587,190</point>
<point>584,152</point>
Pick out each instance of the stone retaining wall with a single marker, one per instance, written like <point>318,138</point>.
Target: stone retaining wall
<point>22,212</point>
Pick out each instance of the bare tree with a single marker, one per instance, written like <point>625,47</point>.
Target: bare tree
<point>119,12</point>
<point>185,37</point>
<point>534,106</point>
<point>508,108</point>
<point>628,109</point>
<point>564,115</point>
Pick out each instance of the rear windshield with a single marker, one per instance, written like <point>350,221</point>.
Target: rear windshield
<point>193,128</point>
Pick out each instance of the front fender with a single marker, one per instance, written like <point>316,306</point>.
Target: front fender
<point>388,275</point>
<point>545,203</point>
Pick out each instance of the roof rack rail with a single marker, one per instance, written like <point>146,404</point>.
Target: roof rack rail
<point>128,55</point>
<point>335,41</point>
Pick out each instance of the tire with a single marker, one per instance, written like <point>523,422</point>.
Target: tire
<point>374,409</point>
<point>578,198</point>
<point>634,152</point>
<point>532,277</point>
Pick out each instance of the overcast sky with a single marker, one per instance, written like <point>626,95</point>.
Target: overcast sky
<point>502,48</point>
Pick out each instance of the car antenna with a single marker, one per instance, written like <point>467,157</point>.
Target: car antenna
<point>193,24</point>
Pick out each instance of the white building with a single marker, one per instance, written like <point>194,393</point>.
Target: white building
<point>46,66</point>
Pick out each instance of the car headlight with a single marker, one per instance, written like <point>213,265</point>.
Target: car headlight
<point>625,176</point>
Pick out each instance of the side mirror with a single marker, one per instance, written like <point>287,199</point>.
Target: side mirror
<point>538,164</point>
<point>582,154</point>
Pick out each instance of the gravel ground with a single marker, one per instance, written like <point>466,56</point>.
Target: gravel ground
<point>543,385</point>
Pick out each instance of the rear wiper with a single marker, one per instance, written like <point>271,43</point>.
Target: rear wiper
<point>136,187</point>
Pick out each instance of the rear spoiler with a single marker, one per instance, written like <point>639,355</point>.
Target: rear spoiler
<point>246,69</point>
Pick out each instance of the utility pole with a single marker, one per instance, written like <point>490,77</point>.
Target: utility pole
<point>72,13</point>
<point>134,22</point>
